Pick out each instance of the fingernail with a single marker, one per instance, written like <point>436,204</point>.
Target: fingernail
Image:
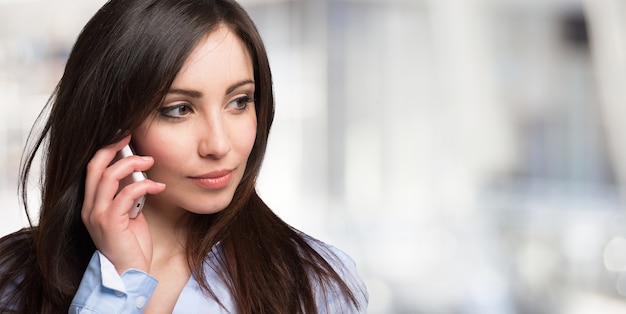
<point>146,158</point>
<point>160,184</point>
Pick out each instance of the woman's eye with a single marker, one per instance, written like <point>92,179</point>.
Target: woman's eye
<point>176,111</point>
<point>241,103</point>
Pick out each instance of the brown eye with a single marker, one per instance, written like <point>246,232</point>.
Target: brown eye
<point>241,103</point>
<point>176,111</point>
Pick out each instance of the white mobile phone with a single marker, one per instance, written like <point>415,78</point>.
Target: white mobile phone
<point>134,177</point>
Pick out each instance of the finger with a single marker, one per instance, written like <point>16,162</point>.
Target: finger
<point>125,199</point>
<point>109,182</point>
<point>95,168</point>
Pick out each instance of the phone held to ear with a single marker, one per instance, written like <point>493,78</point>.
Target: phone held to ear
<point>134,177</point>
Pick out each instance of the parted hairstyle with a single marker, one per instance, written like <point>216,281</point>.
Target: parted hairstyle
<point>117,75</point>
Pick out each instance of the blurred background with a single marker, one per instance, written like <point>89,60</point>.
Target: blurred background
<point>469,155</point>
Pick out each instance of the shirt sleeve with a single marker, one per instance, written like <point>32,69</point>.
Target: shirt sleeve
<point>330,299</point>
<point>102,290</point>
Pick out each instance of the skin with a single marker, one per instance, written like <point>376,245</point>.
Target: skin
<point>195,149</point>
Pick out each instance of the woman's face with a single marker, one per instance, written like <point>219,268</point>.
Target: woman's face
<point>203,132</point>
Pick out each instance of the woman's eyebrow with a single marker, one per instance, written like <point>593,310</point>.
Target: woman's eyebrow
<point>197,94</point>
<point>185,92</point>
<point>238,84</point>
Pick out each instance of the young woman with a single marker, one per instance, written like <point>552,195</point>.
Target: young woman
<point>187,83</point>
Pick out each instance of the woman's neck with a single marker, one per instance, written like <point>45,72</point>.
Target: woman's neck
<point>169,259</point>
<point>169,235</point>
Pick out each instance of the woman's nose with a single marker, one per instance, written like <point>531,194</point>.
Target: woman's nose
<point>214,139</point>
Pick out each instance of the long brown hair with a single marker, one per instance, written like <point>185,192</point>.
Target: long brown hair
<point>118,72</point>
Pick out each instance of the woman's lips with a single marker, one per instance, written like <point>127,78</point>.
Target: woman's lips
<point>214,180</point>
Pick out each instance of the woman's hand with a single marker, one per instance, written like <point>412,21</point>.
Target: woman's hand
<point>124,241</point>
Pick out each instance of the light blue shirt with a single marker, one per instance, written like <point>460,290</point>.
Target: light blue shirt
<point>103,291</point>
